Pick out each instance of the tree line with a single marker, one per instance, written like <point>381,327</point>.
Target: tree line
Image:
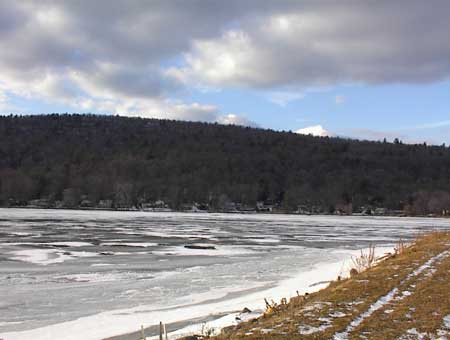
<point>68,159</point>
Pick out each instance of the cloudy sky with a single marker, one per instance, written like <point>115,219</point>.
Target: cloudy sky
<point>366,69</point>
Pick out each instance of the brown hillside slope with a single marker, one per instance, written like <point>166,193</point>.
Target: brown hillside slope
<point>407,296</point>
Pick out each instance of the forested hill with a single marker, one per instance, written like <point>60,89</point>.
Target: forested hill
<point>73,160</point>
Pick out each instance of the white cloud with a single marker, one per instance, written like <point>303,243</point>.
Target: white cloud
<point>315,130</point>
<point>216,62</point>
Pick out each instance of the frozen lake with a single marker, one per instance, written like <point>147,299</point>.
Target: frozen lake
<point>104,273</point>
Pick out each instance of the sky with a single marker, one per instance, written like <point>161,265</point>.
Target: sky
<point>358,69</point>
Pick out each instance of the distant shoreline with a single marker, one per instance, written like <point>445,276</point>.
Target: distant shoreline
<point>224,212</point>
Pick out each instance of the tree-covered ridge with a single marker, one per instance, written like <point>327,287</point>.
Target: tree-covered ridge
<point>71,159</point>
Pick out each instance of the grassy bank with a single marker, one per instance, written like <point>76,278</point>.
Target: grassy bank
<point>406,296</point>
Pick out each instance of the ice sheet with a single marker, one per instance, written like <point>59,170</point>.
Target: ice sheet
<point>115,322</point>
<point>68,291</point>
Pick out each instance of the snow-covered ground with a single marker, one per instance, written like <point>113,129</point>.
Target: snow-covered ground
<point>94,274</point>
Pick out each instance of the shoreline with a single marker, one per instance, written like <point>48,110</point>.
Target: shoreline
<point>224,212</point>
<point>403,296</point>
<point>321,275</point>
<point>119,324</point>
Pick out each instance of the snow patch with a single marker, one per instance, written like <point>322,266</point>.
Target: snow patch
<point>68,244</point>
<point>413,334</point>
<point>447,321</point>
<point>338,315</point>
<point>308,329</point>
<point>213,327</point>
<point>263,240</point>
<point>47,256</point>
<point>130,244</point>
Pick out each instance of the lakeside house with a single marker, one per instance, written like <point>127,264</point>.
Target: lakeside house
<point>156,206</point>
<point>105,204</point>
<point>39,203</point>
<point>265,206</point>
<point>224,205</point>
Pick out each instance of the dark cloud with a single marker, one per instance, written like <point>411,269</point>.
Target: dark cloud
<point>138,83</point>
<point>328,42</point>
<point>11,17</point>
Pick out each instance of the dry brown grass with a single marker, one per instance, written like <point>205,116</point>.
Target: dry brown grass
<point>365,260</point>
<point>335,307</point>
<point>400,247</point>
